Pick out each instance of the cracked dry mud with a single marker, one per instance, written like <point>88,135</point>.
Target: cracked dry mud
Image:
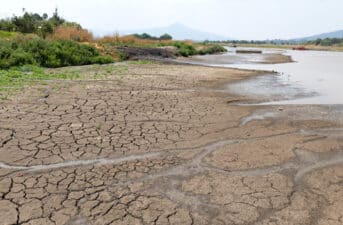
<point>158,144</point>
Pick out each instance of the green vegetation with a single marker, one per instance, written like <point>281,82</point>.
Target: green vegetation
<point>17,77</point>
<point>146,36</point>
<point>185,49</point>
<point>30,23</point>
<point>318,44</point>
<point>7,34</point>
<point>212,49</point>
<point>166,37</point>
<point>31,39</point>
<point>327,42</point>
<point>36,51</point>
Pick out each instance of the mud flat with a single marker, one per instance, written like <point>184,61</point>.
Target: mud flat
<point>162,144</point>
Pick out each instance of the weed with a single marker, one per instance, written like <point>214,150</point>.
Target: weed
<point>98,126</point>
<point>18,77</point>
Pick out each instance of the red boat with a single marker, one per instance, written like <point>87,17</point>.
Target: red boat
<point>300,48</point>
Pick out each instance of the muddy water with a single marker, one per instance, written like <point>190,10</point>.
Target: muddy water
<point>316,77</point>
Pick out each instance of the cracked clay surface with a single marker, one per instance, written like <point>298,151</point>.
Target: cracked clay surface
<point>157,144</point>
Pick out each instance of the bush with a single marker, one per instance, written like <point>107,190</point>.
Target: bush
<point>212,50</point>
<point>166,37</point>
<point>185,49</point>
<point>102,60</point>
<point>20,58</point>
<point>36,51</point>
<point>146,36</point>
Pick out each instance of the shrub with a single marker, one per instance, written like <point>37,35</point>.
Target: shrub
<point>19,58</point>
<point>185,49</point>
<point>145,36</point>
<point>166,37</point>
<point>212,50</point>
<point>36,51</point>
<point>102,60</point>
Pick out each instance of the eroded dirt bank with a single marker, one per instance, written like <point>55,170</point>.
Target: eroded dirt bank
<point>157,144</point>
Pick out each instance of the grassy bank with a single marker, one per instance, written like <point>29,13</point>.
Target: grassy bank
<point>17,78</point>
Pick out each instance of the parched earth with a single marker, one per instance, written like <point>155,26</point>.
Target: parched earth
<point>164,144</point>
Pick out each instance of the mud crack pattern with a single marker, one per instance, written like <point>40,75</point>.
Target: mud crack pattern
<point>158,144</point>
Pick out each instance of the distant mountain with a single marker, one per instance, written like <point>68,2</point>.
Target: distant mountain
<point>179,32</point>
<point>334,34</point>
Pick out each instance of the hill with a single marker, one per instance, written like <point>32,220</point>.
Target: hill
<point>180,32</point>
<point>334,34</point>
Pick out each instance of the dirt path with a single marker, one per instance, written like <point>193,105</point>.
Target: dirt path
<point>157,144</point>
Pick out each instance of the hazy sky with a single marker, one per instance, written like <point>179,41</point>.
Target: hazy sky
<point>241,19</point>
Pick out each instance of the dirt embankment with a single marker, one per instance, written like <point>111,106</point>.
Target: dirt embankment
<point>135,53</point>
<point>163,144</point>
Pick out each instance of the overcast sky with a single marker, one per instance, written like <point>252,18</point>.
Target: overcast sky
<point>241,19</point>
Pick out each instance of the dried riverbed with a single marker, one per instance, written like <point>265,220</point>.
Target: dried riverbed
<point>159,144</point>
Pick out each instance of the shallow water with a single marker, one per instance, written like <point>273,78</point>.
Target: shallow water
<point>316,77</point>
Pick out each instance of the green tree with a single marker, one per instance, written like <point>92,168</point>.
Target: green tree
<point>56,19</point>
<point>166,37</point>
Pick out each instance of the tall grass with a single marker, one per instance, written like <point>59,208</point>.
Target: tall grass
<point>71,33</point>
<point>131,40</point>
<point>7,35</point>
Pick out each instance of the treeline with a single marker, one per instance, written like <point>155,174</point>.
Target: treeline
<point>41,25</point>
<point>326,42</point>
<point>146,36</point>
<point>318,42</point>
<point>254,42</point>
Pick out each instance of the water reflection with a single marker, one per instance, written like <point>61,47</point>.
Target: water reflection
<point>316,77</point>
